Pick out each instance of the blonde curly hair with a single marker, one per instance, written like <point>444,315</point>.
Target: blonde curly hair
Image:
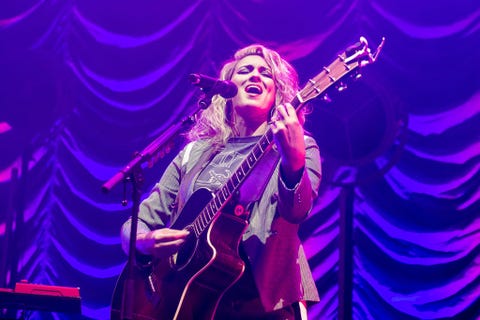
<point>215,123</point>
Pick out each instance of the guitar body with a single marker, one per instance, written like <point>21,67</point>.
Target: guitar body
<point>190,284</point>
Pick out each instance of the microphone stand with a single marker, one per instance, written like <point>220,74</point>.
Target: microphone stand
<point>132,173</point>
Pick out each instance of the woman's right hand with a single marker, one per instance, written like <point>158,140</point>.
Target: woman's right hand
<point>161,243</point>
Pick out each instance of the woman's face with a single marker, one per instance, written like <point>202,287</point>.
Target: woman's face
<point>256,88</point>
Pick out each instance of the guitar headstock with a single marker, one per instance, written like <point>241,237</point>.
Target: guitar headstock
<point>347,64</point>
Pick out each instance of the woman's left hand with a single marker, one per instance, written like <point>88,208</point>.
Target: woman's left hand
<point>288,135</point>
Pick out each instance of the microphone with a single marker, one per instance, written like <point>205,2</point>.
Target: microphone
<point>209,85</point>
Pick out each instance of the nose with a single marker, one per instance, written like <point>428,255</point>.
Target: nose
<point>255,76</point>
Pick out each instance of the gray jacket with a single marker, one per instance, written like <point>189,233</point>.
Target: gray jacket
<point>271,242</point>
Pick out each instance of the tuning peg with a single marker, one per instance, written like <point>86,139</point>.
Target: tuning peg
<point>326,98</point>
<point>357,76</point>
<point>341,86</point>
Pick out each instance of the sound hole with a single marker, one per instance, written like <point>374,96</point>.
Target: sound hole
<point>185,254</point>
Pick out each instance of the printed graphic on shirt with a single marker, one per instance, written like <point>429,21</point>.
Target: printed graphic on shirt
<point>220,170</point>
<point>224,164</point>
<point>218,179</point>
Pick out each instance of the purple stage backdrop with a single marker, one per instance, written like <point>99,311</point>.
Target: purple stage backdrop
<point>86,83</point>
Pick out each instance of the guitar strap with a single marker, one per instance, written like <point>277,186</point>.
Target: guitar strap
<point>252,188</point>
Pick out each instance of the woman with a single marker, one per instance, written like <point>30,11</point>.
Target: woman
<point>277,277</point>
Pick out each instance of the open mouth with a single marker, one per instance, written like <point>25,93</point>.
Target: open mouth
<point>253,89</point>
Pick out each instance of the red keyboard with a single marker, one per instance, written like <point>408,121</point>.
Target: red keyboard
<point>41,297</point>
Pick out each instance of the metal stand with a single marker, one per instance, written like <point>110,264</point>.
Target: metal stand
<point>136,180</point>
